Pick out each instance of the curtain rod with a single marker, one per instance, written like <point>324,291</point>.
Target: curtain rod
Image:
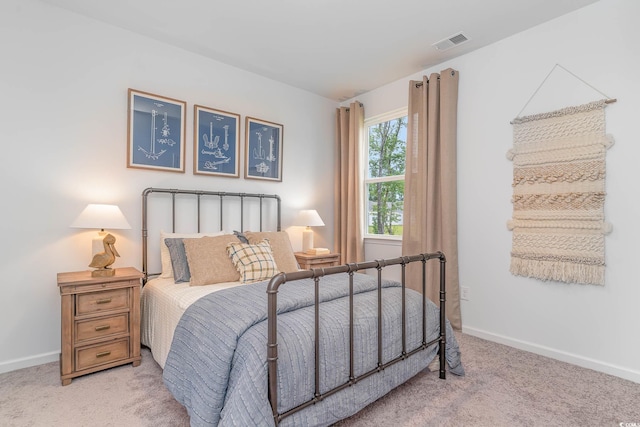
<point>347,108</point>
<point>419,84</point>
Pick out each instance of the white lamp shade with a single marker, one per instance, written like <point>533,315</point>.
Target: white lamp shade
<point>308,218</point>
<point>101,217</point>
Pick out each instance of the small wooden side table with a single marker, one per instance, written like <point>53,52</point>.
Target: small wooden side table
<point>100,321</point>
<point>307,262</point>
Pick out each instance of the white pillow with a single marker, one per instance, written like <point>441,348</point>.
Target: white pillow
<point>165,256</point>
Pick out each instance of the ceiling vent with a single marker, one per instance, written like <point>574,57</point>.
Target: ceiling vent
<point>452,41</point>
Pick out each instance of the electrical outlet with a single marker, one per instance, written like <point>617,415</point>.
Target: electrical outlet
<point>464,293</point>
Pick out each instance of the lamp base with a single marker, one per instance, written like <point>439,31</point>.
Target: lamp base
<point>103,272</point>
<point>307,239</point>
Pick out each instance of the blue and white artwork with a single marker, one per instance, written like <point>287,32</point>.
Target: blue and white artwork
<point>216,142</point>
<point>156,132</point>
<point>263,150</point>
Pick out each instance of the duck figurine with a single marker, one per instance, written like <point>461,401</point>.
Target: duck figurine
<point>103,260</point>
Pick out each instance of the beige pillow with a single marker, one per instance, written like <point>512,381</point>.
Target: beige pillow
<point>281,247</point>
<point>165,256</point>
<point>254,262</point>
<point>208,260</point>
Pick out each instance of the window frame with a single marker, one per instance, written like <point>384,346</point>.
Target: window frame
<point>366,180</point>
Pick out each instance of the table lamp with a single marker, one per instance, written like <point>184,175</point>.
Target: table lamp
<point>104,251</point>
<point>308,218</point>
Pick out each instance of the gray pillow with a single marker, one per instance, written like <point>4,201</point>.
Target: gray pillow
<point>241,236</point>
<point>179,262</point>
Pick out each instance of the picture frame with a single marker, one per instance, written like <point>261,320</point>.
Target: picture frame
<point>155,132</point>
<point>216,142</point>
<point>263,150</point>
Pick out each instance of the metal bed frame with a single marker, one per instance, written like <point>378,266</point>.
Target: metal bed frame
<point>316,275</point>
<point>198,195</point>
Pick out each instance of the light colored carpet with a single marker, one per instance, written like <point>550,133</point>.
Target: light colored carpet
<point>503,387</point>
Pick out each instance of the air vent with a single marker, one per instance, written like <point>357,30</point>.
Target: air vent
<point>452,41</point>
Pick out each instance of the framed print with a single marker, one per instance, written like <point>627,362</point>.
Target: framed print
<point>216,142</point>
<point>156,132</point>
<point>263,150</point>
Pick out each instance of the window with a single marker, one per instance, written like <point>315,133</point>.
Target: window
<point>384,175</point>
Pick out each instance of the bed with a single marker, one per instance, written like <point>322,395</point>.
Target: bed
<point>304,347</point>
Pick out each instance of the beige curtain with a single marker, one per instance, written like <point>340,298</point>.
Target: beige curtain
<point>347,217</point>
<point>430,220</point>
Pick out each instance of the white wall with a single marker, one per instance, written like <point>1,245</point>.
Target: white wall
<point>592,326</point>
<point>63,87</point>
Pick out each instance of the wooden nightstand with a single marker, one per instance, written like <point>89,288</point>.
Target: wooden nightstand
<point>307,262</point>
<point>100,321</point>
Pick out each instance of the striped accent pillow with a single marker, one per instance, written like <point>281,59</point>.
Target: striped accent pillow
<point>254,262</point>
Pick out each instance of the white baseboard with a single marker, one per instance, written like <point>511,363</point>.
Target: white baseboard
<point>585,362</point>
<point>27,362</point>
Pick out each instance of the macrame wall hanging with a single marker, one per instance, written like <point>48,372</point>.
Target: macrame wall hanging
<point>559,192</point>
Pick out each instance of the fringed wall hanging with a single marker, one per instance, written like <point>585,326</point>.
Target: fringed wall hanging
<point>558,194</point>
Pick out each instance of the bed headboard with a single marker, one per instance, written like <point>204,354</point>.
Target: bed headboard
<point>196,211</point>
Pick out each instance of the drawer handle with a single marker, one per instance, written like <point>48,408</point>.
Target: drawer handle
<point>103,301</point>
<point>102,328</point>
<point>103,354</point>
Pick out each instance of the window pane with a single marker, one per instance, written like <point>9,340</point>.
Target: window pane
<point>387,144</point>
<point>385,204</point>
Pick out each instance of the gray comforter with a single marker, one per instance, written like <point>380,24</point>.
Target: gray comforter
<point>217,363</point>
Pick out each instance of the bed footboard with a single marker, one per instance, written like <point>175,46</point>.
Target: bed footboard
<point>316,274</point>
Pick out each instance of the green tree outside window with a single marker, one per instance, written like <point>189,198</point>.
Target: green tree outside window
<point>385,181</point>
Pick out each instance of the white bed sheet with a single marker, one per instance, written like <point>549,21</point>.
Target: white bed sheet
<point>162,304</point>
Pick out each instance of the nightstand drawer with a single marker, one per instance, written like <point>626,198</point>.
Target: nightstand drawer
<point>102,327</point>
<point>88,357</point>
<point>102,301</point>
